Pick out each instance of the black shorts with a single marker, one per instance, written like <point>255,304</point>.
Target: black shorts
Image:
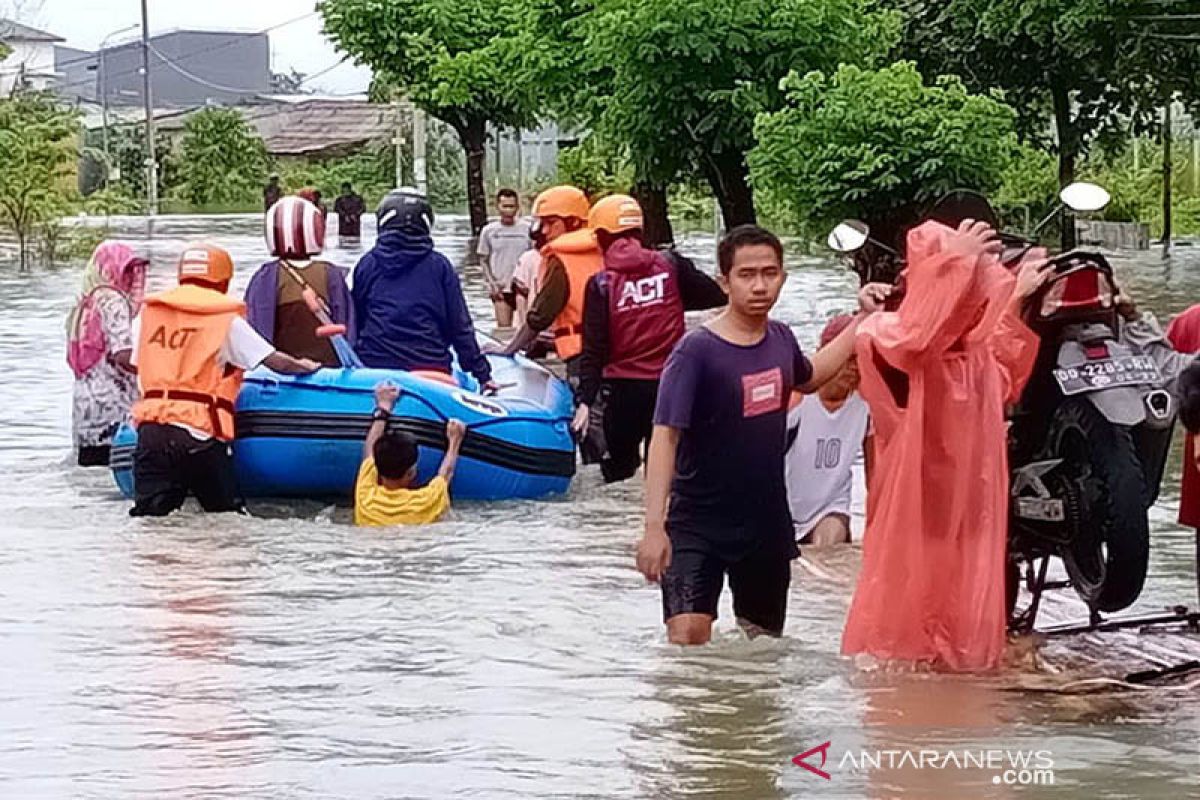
<point>170,463</point>
<point>628,415</point>
<point>510,299</point>
<point>759,581</point>
<point>94,455</point>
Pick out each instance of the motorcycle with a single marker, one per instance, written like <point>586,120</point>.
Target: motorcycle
<point>1089,438</point>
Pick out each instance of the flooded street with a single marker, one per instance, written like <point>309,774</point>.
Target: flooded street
<point>509,652</point>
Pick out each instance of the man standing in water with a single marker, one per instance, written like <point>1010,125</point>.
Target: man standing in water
<point>501,244</point>
<point>716,499</point>
<point>349,208</point>
<point>191,347</point>
<point>271,192</point>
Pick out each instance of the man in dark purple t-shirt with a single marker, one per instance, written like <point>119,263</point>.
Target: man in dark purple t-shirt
<point>716,497</point>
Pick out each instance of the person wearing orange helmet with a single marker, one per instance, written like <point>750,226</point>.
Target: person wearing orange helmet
<point>191,347</point>
<point>632,319</point>
<point>275,305</point>
<point>570,257</point>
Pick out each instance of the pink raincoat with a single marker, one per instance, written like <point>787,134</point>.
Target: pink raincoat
<point>937,374</point>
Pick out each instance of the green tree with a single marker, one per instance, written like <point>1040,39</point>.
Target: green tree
<point>1090,65</point>
<point>462,61</point>
<point>37,146</point>
<point>127,152</point>
<point>222,159</point>
<point>682,79</point>
<point>878,145</point>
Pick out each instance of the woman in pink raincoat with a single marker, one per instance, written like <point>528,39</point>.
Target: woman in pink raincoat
<point>99,347</point>
<point>938,373</point>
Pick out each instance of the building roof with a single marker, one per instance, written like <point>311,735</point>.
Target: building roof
<point>319,125</point>
<point>11,31</point>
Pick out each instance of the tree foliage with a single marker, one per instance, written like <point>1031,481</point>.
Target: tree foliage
<point>127,153</point>
<point>37,143</point>
<point>223,160</point>
<point>685,77</point>
<point>1090,65</point>
<point>877,145</point>
<point>462,61</point>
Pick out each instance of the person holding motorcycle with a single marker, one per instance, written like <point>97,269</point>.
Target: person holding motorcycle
<point>938,373</point>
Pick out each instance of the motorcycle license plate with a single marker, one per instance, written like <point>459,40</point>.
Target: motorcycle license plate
<point>1107,373</point>
<point>1035,508</point>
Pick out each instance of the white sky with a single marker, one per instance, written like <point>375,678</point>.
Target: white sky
<point>300,44</point>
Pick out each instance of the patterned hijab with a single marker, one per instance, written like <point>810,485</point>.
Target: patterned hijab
<point>113,267</point>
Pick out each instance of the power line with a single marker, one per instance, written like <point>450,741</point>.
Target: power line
<point>235,90</point>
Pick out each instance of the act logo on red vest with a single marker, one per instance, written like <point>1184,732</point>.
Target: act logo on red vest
<point>643,292</point>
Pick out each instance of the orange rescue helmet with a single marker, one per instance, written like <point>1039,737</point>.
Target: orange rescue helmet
<point>205,263</point>
<point>567,202</point>
<point>615,214</point>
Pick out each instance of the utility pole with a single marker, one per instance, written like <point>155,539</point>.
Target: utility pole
<point>398,142</point>
<point>102,68</point>
<point>1166,170</point>
<point>419,172</point>
<point>1195,162</point>
<point>151,161</point>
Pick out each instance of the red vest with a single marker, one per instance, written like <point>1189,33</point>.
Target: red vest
<point>645,318</point>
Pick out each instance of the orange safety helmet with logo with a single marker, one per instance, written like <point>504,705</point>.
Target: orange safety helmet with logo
<point>580,255</point>
<point>616,213</point>
<point>179,369</point>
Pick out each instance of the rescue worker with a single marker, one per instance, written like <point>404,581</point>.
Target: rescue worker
<point>191,346</point>
<point>275,306</point>
<point>632,319</point>
<point>570,257</point>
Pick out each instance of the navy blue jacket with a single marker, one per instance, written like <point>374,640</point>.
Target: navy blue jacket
<point>410,309</point>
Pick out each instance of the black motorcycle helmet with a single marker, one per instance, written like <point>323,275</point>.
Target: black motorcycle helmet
<point>963,204</point>
<point>405,210</point>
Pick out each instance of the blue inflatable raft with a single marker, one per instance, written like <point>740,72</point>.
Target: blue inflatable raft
<point>302,436</point>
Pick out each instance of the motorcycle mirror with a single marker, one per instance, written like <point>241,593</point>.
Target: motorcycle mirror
<point>849,236</point>
<point>1081,196</point>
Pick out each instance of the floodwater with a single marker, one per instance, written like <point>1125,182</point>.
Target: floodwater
<point>510,652</point>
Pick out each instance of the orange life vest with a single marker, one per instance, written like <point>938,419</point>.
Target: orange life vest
<point>581,256</point>
<point>179,368</point>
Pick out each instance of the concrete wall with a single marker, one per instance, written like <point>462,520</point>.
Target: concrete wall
<point>1113,235</point>
<point>231,67</point>
<point>77,73</point>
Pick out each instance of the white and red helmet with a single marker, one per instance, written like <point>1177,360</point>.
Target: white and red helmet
<point>295,228</point>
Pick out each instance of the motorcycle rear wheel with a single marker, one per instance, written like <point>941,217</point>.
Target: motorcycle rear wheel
<point>1108,557</point>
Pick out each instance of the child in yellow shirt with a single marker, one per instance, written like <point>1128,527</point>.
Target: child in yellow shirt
<point>383,493</point>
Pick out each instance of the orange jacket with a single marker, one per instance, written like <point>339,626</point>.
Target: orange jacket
<point>179,369</point>
<point>582,258</point>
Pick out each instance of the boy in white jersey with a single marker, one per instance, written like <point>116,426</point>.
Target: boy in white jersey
<point>826,432</point>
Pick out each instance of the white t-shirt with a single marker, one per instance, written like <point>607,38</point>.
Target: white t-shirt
<point>819,464</point>
<point>504,244</point>
<point>243,348</point>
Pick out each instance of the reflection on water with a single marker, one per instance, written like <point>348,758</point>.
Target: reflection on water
<point>508,652</point>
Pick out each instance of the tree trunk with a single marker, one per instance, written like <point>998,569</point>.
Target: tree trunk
<point>473,136</point>
<point>1166,189</point>
<point>1068,148</point>
<point>729,178</point>
<point>653,198</point>
<point>22,248</point>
